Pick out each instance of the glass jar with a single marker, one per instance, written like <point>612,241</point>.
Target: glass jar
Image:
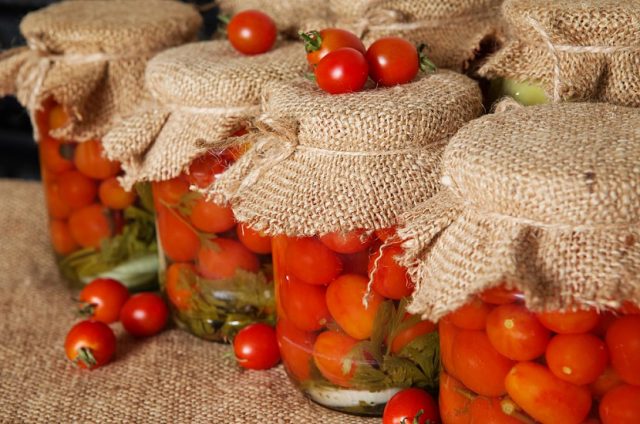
<point>97,228</point>
<point>341,353</point>
<point>503,363</point>
<point>216,273</point>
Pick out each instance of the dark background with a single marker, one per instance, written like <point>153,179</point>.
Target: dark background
<point>18,151</point>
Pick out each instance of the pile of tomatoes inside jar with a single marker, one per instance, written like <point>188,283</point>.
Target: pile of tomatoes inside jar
<point>502,362</point>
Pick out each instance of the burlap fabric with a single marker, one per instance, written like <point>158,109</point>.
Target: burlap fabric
<point>90,56</point>
<point>326,162</point>
<point>455,31</point>
<point>586,50</point>
<point>170,378</point>
<point>546,198</point>
<point>202,94</point>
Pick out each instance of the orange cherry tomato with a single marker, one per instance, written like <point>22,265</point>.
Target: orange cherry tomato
<point>478,365</point>
<point>55,155</point>
<point>90,160</point>
<point>500,295</point>
<point>202,171</point>
<point>58,117</point>
<point>390,279</point>
<point>349,242</point>
<point>211,218</point>
<point>356,263</point>
<point>170,192</point>
<point>447,332</point>
<point>545,397</point>
<point>179,284</point>
<point>179,242</point>
<point>90,225</point>
<point>621,405</point>
<point>471,316</point>
<point>489,411</point>
<point>113,196</point>
<point>305,305</point>
<point>575,322</point>
<point>222,257</point>
<point>63,242</point>
<point>56,206</point>
<point>329,352</point>
<point>623,341</point>
<point>455,406</point>
<point>605,382</point>
<point>406,336</point>
<point>344,299</point>
<point>577,358</point>
<point>77,190</point>
<point>254,240</point>
<point>516,333</point>
<point>296,349</point>
<point>311,261</point>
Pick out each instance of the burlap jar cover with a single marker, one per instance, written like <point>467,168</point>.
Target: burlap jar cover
<point>90,57</point>
<point>325,163</point>
<point>544,198</point>
<point>202,94</point>
<point>587,50</point>
<point>455,31</point>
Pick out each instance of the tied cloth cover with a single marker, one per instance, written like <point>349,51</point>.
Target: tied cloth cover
<point>202,93</point>
<point>545,198</point>
<point>456,32</point>
<point>324,163</point>
<point>90,57</point>
<point>575,50</point>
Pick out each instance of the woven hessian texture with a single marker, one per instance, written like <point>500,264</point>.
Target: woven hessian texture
<point>324,163</point>
<point>202,94</point>
<point>544,198</point>
<point>90,57</point>
<point>586,50</point>
<point>170,378</point>
<point>453,30</point>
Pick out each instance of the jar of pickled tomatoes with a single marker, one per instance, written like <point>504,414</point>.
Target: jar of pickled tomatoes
<point>75,80</point>
<point>216,273</point>
<point>526,261</point>
<point>329,190</point>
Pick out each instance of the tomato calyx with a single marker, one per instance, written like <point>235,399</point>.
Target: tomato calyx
<point>426,65</point>
<point>416,418</point>
<point>85,356</point>
<point>86,309</point>
<point>312,40</point>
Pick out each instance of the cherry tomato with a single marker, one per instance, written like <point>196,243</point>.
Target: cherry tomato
<point>254,240</point>
<point>455,406</point>
<point>102,299</point>
<point>203,170</point>
<point>296,348</point>
<point>577,358</point>
<point>329,352</point>
<point>605,382</point>
<point>576,322</point>
<point>77,190</point>
<point>113,196</point>
<point>516,333</point>
<point>179,241</point>
<point>90,160</point>
<point>623,341</point>
<point>305,305</point>
<point>471,316</point>
<point>500,295</point>
<point>621,405</point>
<point>349,242</point>
<point>390,279</point>
<point>179,284</point>
<point>478,365</point>
<point>55,155</point>
<point>252,32</point>
<point>411,406</point>
<point>447,332</point>
<point>392,61</point>
<point>90,344</point>
<point>144,314</point>
<point>407,335</point>
<point>56,206</point>
<point>490,411</point>
<point>344,300</point>
<point>344,70</point>
<point>58,117</point>
<point>89,226</point>
<point>606,319</point>
<point>311,261</point>
<point>319,44</point>
<point>211,218</point>
<point>170,192</point>
<point>61,238</point>
<point>545,397</point>
<point>256,347</point>
<point>356,263</point>
<point>385,234</point>
<point>221,258</point>
<point>629,308</point>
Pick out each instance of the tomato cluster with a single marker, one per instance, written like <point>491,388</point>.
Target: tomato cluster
<point>503,363</point>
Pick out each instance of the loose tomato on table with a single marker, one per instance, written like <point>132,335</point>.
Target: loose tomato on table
<point>144,314</point>
<point>102,300</point>
<point>344,70</point>
<point>318,44</point>
<point>411,406</point>
<point>256,347</point>
<point>392,61</point>
<point>90,344</point>
<point>252,32</point>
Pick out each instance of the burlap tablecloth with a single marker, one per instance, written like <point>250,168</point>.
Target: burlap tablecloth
<point>170,378</point>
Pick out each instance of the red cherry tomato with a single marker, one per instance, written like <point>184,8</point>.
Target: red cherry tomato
<point>77,190</point>
<point>305,305</point>
<point>144,314</point>
<point>329,352</point>
<point>621,405</point>
<point>221,258</point>
<point>90,344</point>
<point>252,32</point>
<point>623,341</point>
<point>390,279</point>
<point>319,44</point>
<point>385,234</point>
<point>471,316</point>
<point>254,240</point>
<point>256,347</point>
<point>170,192</point>
<point>605,382</point>
<point>406,336</point>
<point>56,205</point>
<point>55,155</point>
<point>576,322</point>
<point>296,348</point>
<point>203,170</point>
<point>311,261</point>
<point>113,196</point>
<point>89,158</point>
<point>211,218</point>
<point>179,284</point>
<point>356,263</point>
<point>102,299</point>
<point>411,406</point>
<point>516,333</point>
<point>500,295</point>
<point>179,241</point>
<point>344,70</point>
<point>577,358</point>
<point>393,61</point>
<point>349,242</point>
